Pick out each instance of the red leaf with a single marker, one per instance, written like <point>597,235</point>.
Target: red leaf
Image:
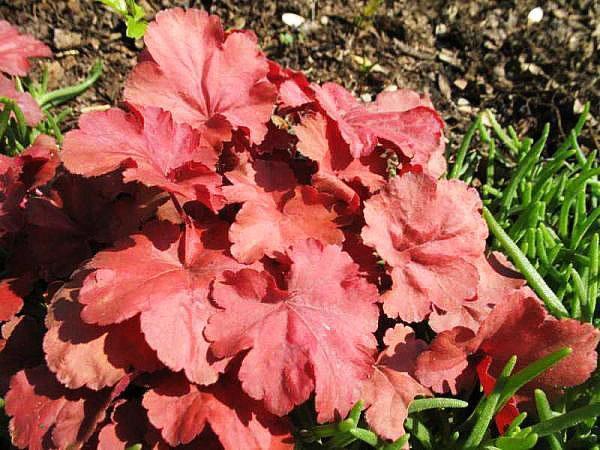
<point>165,277</point>
<point>12,192</point>
<point>20,348</point>
<point>320,142</point>
<point>19,175</point>
<point>519,318</point>
<point>539,334</point>
<point>205,78</point>
<point>392,387</point>
<point>431,234</point>
<point>16,49</point>
<point>127,427</point>
<point>497,280</point>
<point>39,162</point>
<point>414,128</point>
<point>81,354</point>
<point>63,226</point>
<point>316,334</point>
<point>277,213</point>
<point>31,110</point>
<point>182,411</point>
<point>442,364</point>
<point>154,150</point>
<point>12,293</point>
<point>45,415</point>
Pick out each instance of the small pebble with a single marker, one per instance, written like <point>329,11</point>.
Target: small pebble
<point>66,39</point>
<point>55,74</point>
<point>461,84</point>
<point>535,16</point>
<point>292,20</point>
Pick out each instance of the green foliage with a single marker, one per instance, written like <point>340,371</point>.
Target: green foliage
<point>543,210</point>
<point>368,11</point>
<point>15,134</point>
<point>133,14</point>
<point>286,38</point>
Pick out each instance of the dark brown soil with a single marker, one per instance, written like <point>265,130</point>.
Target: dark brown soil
<point>467,55</point>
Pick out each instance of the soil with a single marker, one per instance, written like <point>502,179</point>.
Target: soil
<point>466,55</point>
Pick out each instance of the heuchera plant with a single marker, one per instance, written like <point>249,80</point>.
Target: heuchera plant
<point>236,242</point>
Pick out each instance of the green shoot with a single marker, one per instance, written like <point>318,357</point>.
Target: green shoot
<point>133,14</point>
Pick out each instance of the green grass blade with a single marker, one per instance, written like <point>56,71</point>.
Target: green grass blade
<point>423,404</point>
<point>462,150</point>
<point>545,413</point>
<point>532,276</point>
<point>567,420</point>
<point>489,407</point>
<point>525,375</point>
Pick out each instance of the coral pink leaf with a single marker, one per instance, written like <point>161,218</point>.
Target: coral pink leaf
<point>154,150</point>
<point>392,387</point>
<point>43,412</point>
<point>205,78</point>
<point>523,315</point>
<point>277,212</point>
<point>154,276</point>
<point>182,411</point>
<point>12,292</point>
<point>319,141</point>
<point>414,128</point>
<point>16,49</point>
<point>294,88</point>
<point>497,279</point>
<point>441,365</point>
<point>422,140</point>
<point>31,110</point>
<point>81,354</point>
<point>431,233</point>
<point>126,428</point>
<point>316,334</point>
